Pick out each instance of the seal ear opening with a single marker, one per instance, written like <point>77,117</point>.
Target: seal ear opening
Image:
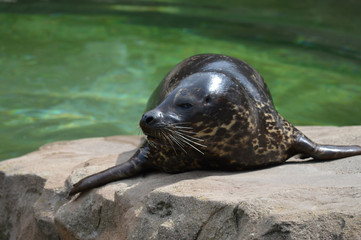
<point>308,148</point>
<point>208,99</point>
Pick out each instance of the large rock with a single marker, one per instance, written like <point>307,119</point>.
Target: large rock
<point>297,200</point>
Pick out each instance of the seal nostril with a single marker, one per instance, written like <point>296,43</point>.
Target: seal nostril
<point>148,120</point>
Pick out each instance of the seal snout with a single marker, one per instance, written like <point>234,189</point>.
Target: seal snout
<point>151,124</point>
<point>151,120</point>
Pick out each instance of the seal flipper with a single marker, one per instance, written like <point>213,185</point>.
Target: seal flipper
<point>135,165</point>
<point>309,148</point>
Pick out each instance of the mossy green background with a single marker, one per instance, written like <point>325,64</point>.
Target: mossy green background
<point>75,69</point>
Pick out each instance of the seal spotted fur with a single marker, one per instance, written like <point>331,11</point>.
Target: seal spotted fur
<point>213,112</point>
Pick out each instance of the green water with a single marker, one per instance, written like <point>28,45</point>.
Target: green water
<point>78,69</point>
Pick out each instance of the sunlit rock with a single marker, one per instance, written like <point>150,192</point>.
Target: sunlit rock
<point>312,200</point>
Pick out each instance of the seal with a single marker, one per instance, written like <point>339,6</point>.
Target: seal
<point>213,112</point>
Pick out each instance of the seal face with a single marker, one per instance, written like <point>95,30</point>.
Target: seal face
<point>213,112</point>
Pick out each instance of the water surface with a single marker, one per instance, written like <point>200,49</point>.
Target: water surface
<point>80,69</point>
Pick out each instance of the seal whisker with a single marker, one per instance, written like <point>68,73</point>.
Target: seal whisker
<point>158,133</point>
<point>169,140</point>
<point>191,137</point>
<point>180,123</point>
<point>149,142</point>
<point>183,142</point>
<point>189,140</point>
<point>183,127</point>
<point>174,137</point>
<point>179,143</point>
<point>186,139</point>
<point>139,130</point>
<point>191,145</point>
<point>185,131</point>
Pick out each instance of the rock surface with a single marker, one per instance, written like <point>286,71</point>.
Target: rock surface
<point>297,200</point>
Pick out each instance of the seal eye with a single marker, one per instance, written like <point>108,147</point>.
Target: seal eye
<point>185,105</point>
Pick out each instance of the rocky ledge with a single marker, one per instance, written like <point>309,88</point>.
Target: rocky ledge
<point>297,200</point>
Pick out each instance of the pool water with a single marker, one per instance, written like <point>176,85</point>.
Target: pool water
<point>81,69</point>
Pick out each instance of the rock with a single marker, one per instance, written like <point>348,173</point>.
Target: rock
<point>308,200</point>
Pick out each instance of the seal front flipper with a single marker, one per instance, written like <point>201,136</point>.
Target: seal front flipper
<point>135,165</point>
<point>309,148</point>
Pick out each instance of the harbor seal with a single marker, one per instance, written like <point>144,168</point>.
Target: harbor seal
<point>213,112</point>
